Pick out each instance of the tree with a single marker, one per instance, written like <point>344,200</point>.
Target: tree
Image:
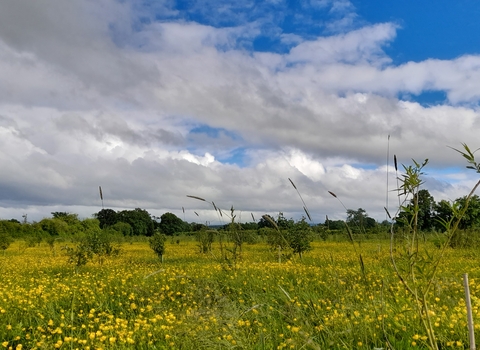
<point>283,223</point>
<point>195,227</point>
<point>14,229</point>
<point>426,204</point>
<point>122,228</point>
<point>140,221</point>
<point>107,217</point>
<point>54,227</point>
<point>443,214</point>
<point>171,224</point>
<point>471,219</point>
<point>249,226</point>
<point>295,236</point>
<point>335,224</point>
<point>356,220</point>
<point>5,241</point>
<point>425,215</point>
<point>263,222</point>
<point>359,221</point>
<point>299,236</point>
<point>69,218</point>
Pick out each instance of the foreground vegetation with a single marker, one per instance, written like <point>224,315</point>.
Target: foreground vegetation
<point>200,301</point>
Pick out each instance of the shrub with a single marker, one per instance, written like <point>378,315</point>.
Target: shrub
<point>299,237</point>
<point>205,240</point>
<point>95,243</point>
<point>157,243</point>
<point>5,241</point>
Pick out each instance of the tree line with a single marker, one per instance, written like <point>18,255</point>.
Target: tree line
<point>431,214</point>
<point>139,222</point>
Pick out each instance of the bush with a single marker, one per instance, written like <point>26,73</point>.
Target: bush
<point>157,243</point>
<point>299,237</point>
<point>5,241</point>
<point>205,240</point>
<point>296,237</point>
<point>95,243</point>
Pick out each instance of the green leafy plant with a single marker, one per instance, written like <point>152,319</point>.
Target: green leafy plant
<point>229,254</point>
<point>205,239</point>
<point>5,241</point>
<point>95,243</point>
<point>157,244</point>
<point>417,269</point>
<point>299,237</point>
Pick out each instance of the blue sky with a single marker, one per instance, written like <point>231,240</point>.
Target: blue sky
<point>441,29</point>
<point>226,100</point>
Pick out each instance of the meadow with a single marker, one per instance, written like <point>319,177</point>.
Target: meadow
<point>193,300</point>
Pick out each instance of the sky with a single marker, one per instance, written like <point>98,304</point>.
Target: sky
<point>228,100</point>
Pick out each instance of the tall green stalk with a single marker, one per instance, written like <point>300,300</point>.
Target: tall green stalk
<point>421,270</point>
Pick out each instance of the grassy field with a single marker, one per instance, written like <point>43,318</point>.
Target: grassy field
<point>196,301</point>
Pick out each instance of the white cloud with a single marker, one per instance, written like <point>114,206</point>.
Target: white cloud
<point>356,47</point>
<point>86,100</point>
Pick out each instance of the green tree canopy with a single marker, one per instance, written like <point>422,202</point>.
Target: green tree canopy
<point>171,224</point>
<point>140,221</point>
<point>55,227</point>
<point>443,213</point>
<point>359,221</point>
<point>266,223</point>
<point>471,218</point>
<point>69,218</point>
<point>107,217</point>
<point>299,236</point>
<point>426,211</point>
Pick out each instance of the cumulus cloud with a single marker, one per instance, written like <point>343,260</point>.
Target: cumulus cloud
<point>91,96</point>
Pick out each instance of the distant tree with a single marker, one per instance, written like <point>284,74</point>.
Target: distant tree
<point>443,213</point>
<point>249,226</point>
<point>263,222</point>
<point>370,223</point>
<point>426,216</point>
<point>171,224</point>
<point>69,218</point>
<point>284,223</point>
<point>294,237</point>
<point>54,227</point>
<point>356,220</point>
<point>107,217</point>
<point>385,226</point>
<point>13,229</point>
<point>5,240</point>
<point>471,219</point>
<point>335,225</point>
<point>122,228</point>
<point>359,221</point>
<point>321,230</point>
<point>426,205</point>
<point>197,227</point>
<point>140,221</point>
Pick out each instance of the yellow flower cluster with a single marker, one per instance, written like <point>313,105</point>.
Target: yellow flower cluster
<point>195,300</point>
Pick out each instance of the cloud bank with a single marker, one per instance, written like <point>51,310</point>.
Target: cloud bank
<point>153,104</point>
